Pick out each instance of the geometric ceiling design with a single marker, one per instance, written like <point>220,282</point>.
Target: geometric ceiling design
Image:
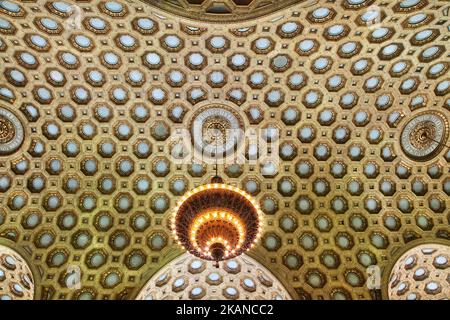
<point>352,95</point>
<point>421,274</point>
<point>241,278</point>
<point>225,10</point>
<point>16,279</point>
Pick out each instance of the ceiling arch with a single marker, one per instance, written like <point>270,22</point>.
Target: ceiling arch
<point>420,273</point>
<point>227,11</point>
<point>187,277</point>
<point>16,278</point>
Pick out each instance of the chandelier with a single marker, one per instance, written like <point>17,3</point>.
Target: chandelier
<point>217,221</point>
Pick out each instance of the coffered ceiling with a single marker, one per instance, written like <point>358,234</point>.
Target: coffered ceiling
<point>354,94</point>
<point>224,10</point>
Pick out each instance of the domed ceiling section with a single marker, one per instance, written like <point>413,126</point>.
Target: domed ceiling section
<point>222,11</point>
<point>421,273</point>
<point>16,279</point>
<point>189,278</point>
<point>351,98</point>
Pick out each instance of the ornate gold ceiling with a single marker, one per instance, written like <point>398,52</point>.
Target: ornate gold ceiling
<point>222,11</point>
<point>186,277</point>
<point>419,274</point>
<point>354,94</point>
<point>16,279</point>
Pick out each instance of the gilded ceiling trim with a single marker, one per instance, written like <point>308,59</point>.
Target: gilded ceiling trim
<point>238,14</point>
<point>396,253</point>
<point>26,254</point>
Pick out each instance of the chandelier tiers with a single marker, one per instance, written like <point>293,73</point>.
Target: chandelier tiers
<point>217,221</point>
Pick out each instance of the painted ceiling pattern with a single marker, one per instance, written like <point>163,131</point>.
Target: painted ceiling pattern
<point>419,274</point>
<point>186,277</point>
<point>355,93</point>
<point>229,10</point>
<point>16,279</point>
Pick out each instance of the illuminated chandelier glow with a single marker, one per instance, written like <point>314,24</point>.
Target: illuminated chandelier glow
<point>217,221</point>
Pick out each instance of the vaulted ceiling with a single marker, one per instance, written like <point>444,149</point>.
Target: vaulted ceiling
<point>222,11</point>
<point>349,91</point>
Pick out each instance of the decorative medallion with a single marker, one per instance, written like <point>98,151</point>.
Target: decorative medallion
<point>425,135</point>
<point>11,132</point>
<point>216,129</point>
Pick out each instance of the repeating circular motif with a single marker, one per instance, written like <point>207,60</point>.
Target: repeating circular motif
<point>421,273</point>
<point>216,129</point>
<point>425,135</point>
<point>187,277</point>
<point>228,11</point>
<point>331,87</point>
<point>16,279</point>
<point>11,132</point>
